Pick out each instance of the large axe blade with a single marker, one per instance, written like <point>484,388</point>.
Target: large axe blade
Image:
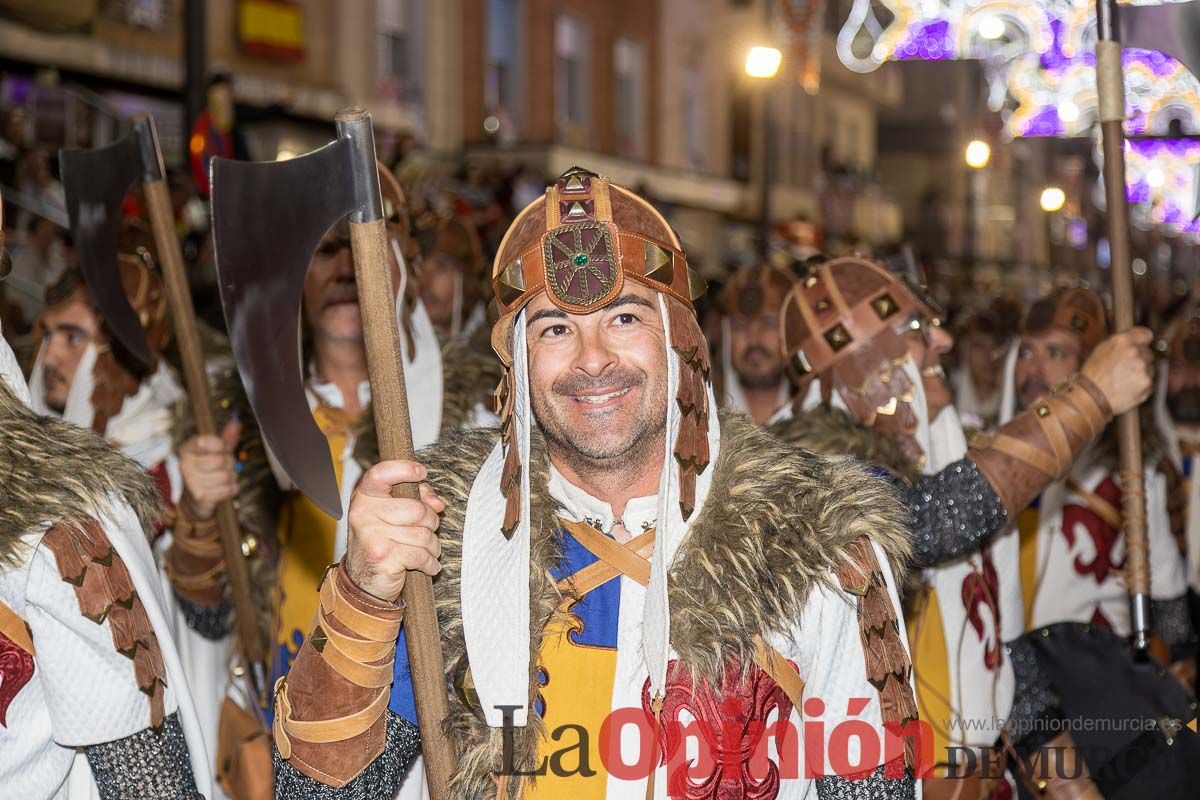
<point>95,183</point>
<point>268,219</point>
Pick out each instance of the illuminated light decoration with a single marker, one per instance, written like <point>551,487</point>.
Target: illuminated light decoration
<point>1039,67</point>
<point>1172,164</point>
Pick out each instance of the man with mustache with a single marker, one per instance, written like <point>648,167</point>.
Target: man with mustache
<point>294,540</point>
<point>620,549</point>
<point>865,346</point>
<point>754,381</point>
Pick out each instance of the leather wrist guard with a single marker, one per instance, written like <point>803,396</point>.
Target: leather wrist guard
<point>330,720</point>
<point>196,563</point>
<point>1038,446</point>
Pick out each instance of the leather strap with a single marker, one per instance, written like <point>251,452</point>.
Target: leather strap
<point>1098,505</point>
<point>13,628</point>
<point>624,559</point>
<point>600,572</point>
<point>322,731</point>
<point>362,623</point>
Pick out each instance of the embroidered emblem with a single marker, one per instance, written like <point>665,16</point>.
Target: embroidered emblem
<point>581,263</point>
<point>981,587</point>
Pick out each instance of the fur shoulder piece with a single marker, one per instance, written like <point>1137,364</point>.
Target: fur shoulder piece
<point>831,431</point>
<point>54,472</point>
<point>778,521</point>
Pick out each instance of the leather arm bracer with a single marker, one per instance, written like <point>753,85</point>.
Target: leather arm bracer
<point>330,720</point>
<point>195,563</point>
<point>1038,446</point>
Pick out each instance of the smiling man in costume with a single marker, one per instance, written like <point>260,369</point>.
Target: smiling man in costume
<point>637,553</point>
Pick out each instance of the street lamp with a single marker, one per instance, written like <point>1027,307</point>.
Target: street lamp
<point>762,63</point>
<point>978,154</point>
<point>1053,199</point>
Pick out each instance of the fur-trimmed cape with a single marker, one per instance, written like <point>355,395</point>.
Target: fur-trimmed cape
<point>53,472</point>
<point>831,431</point>
<point>777,523</point>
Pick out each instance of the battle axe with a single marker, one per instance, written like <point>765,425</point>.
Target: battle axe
<point>268,219</point>
<point>95,183</point>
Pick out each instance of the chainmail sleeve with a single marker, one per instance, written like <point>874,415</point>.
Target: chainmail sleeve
<point>149,765</point>
<point>380,779</point>
<point>953,513</point>
<point>876,785</point>
<point>211,622</point>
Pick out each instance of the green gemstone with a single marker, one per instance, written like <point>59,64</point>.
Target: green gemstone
<point>580,259</point>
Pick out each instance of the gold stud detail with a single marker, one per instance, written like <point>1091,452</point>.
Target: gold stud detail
<point>319,639</point>
<point>511,285</point>
<point>659,265</point>
<point>884,306</point>
<point>822,305</point>
<point>889,408</point>
<point>576,211</point>
<point>810,281</point>
<point>837,337</point>
<point>697,286</point>
<point>1043,411</point>
<point>573,184</point>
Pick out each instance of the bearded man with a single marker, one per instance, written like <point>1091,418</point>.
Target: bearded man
<point>1072,542</point>
<point>866,346</point>
<point>635,554</point>
<point>752,369</point>
<point>292,540</point>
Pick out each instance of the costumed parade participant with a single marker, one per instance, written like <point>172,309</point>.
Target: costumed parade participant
<point>866,346</point>
<point>1071,538</point>
<point>1177,416</point>
<point>453,275</point>
<point>983,340</point>
<point>83,375</point>
<point>635,553</point>
<point>299,539</point>
<point>93,699</point>
<point>754,380</point>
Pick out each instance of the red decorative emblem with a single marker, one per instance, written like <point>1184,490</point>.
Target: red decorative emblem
<point>16,668</point>
<point>981,587</point>
<point>1104,536</point>
<point>581,263</point>
<point>732,725</point>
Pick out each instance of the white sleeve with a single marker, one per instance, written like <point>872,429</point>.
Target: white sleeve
<point>91,690</point>
<point>1168,570</point>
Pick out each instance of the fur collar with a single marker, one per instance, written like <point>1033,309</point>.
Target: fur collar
<point>55,472</point>
<point>776,523</point>
<point>831,431</point>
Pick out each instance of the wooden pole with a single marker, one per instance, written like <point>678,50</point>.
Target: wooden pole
<point>183,315</point>
<point>381,334</point>
<point>1110,84</point>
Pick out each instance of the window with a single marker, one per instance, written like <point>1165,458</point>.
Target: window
<point>501,82</point>
<point>572,89</point>
<point>400,53</point>
<point>629,57</point>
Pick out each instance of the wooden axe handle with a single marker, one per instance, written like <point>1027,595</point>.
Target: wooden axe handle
<point>377,301</point>
<point>179,300</point>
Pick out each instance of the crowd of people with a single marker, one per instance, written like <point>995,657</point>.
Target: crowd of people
<point>587,416</point>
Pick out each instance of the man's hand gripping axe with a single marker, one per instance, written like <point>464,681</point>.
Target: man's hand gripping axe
<point>268,219</point>
<point>96,182</point>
